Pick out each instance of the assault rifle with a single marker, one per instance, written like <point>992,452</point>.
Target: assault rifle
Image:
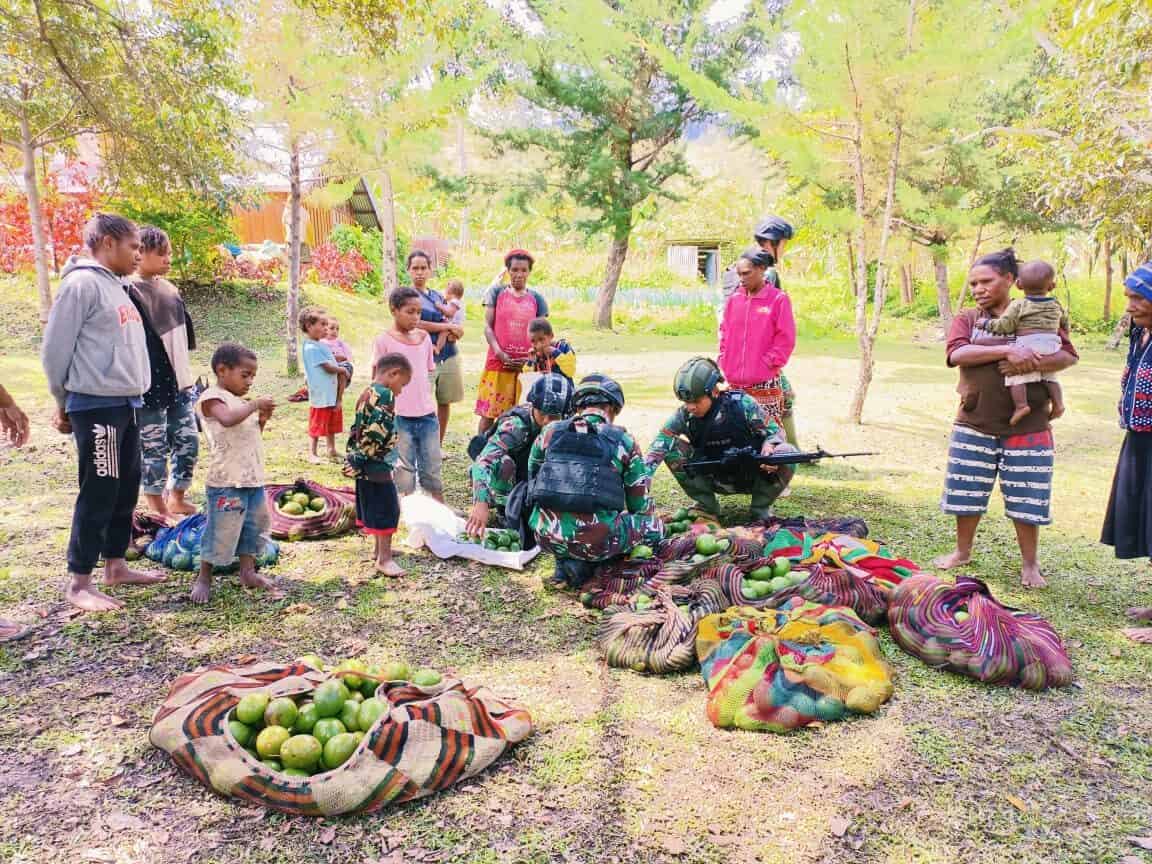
<point>738,459</point>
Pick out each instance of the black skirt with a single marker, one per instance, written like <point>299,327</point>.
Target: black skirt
<point>1128,522</point>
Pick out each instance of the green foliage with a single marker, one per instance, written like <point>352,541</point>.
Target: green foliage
<point>367,243</point>
<point>196,226</point>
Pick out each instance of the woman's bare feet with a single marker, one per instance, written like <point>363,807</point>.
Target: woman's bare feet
<point>116,572</point>
<point>156,504</point>
<point>953,559</point>
<point>313,459</point>
<point>389,568</point>
<point>201,589</point>
<point>1139,613</point>
<point>82,594</point>
<point>177,504</point>
<point>252,579</point>
<point>1031,577</point>
<point>1142,635</point>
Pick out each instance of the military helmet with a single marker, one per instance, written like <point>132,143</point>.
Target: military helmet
<point>551,394</point>
<point>696,378</point>
<point>773,228</point>
<point>596,389</point>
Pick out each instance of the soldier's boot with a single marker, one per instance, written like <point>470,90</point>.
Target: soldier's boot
<point>701,490</point>
<point>768,487</point>
<point>572,572</point>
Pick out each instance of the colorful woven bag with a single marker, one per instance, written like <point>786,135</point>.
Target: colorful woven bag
<point>432,738</point>
<point>337,517</point>
<point>990,642</point>
<point>782,669</point>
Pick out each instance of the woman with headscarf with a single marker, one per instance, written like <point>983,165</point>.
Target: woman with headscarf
<point>508,311</point>
<point>1128,523</point>
<point>757,334</point>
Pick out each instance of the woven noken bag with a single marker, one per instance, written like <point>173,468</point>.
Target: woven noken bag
<point>338,515</point>
<point>432,738</point>
<point>996,644</point>
<point>778,670</point>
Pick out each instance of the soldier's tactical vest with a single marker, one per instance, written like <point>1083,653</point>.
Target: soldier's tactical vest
<point>520,457</point>
<point>578,474</point>
<point>722,428</point>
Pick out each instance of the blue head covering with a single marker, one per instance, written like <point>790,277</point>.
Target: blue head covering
<point>1140,281</point>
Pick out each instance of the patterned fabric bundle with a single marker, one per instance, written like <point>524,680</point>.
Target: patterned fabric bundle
<point>178,546</point>
<point>990,642</point>
<point>783,669</point>
<point>834,586</point>
<point>615,583</point>
<point>703,597</point>
<point>885,570</point>
<point>658,640</point>
<point>432,738</point>
<point>731,579</point>
<point>145,526</point>
<point>338,515</point>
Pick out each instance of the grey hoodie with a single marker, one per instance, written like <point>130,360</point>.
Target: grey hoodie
<point>94,342</point>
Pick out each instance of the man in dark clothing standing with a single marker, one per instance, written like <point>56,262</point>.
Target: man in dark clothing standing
<point>95,357</point>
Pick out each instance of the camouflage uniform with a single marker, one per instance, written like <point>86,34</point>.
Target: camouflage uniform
<point>602,535</point>
<point>168,433</point>
<point>672,447</point>
<point>372,438</point>
<point>494,471</point>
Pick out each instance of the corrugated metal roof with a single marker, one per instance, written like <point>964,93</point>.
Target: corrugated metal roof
<point>362,204</point>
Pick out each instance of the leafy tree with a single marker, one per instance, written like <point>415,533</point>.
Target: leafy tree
<point>157,88</point>
<point>607,82</point>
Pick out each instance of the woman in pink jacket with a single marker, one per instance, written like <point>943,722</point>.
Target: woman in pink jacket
<point>757,334</point>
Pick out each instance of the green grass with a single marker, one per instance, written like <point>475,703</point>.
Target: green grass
<point>622,766</point>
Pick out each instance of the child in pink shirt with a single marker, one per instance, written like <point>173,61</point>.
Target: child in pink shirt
<point>417,429</point>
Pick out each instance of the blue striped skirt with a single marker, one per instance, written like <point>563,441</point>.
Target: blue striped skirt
<point>1022,463</point>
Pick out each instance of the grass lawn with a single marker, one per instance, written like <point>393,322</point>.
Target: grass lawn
<point>623,767</point>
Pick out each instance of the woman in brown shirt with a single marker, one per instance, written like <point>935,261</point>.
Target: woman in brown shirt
<point>984,448</point>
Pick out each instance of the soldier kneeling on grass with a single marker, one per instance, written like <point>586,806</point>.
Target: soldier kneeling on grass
<point>500,470</point>
<point>590,489</point>
<point>709,422</point>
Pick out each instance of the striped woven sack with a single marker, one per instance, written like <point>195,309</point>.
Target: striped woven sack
<point>991,642</point>
<point>779,670</point>
<point>337,517</point>
<point>834,586</point>
<point>432,738</point>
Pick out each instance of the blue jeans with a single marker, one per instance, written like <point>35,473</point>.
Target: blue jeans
<point>168,433</point>
<point>237,523</point>
<point>418,446</point>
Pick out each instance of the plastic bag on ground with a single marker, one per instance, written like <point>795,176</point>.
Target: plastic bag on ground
<point>433,525</point>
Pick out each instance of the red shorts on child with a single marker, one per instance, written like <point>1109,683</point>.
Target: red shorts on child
<point>325,421</point>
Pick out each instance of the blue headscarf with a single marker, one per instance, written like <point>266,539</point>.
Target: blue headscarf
<point>1140,281</point>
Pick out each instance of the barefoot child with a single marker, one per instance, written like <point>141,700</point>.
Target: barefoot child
<point>1037,319</point>
<point>549,354</point>
<point>324,375</point>
<point>452,309</point>
<point>417,429</point>
<point>371,456</point>
<point>341,352</point>
<point>167,420</point>
<point>234,486</point>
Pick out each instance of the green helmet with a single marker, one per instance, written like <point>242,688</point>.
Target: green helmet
<point>597,389</point>
<point>696,378</point>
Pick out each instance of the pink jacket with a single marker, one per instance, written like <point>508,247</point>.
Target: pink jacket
<point>757,335</point>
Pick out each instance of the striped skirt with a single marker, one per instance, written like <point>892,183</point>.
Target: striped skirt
<point>1022,463</point>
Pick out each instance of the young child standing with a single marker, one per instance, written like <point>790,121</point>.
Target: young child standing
<point>1036,319</point>
<point>452,309</point>
<point>550,354</point>
<point>324,375</point>
<point>341,352</point>
<point>371,457</point>
<point>167,421</point>
<point>417,429</point>
<point>234,486</point>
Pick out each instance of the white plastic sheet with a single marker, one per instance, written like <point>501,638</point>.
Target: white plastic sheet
<point>432,524</point>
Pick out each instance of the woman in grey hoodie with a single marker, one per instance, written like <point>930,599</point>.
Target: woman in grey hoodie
<point>95,356</point>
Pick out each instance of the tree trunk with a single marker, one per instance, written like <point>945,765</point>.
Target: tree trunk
<point>389,280</point>
<point>1107,278</point>
<point>607,293</point>
<point>852,266</point>
<point>943,295</point>
<point>293,309</point>
<point>36,219</point>
<point>907,293</point>
<point>1119,332</point>
<point>861,269</point>
<point>462,168</point>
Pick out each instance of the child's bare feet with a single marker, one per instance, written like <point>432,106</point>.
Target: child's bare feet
<point>1022,412</point>
<point>252,579</point>
<point>82,594</point>
<point>333,456</point>
<point>156,504</point>
<point>313,459</point>
<point>389,568</point>
<point>201,589</point>
<point>953,559</point>
<point>1030,577</point>
<point>116,572</point>
<point>177,504</point>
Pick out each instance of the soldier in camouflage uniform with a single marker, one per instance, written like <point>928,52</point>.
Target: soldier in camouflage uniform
<point>503,461</point>
<point>710,421</point>
<point>590,487</point>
